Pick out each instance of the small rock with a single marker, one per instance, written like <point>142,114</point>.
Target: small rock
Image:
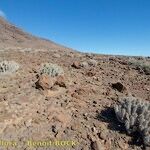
<point>96,145</point>
<point>94,129</point>
<point>85,115</point>
<point>75,95</point>
<point>54,129</point>
<point>57,55</point>
<point>91,73</point>
<point>103,135</point>
<point>94,102</point>
<point>118,86</point>
<point>85,148</point>
<point>76,65</point>
<point>28,123</point>
<point>60,81</point>
<point>3,98</point>
<point>2,127</point>
<point>123,145</point>
<point>75,126</point>
<point>80,91</point>
<point>92,62</point>
<point>84,64</point>
<point>108,144</point>
<point>88,55</point>
<point>103,132</point>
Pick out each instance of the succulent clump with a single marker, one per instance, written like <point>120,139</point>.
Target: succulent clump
<point>52,70</point>
<point>135,114</point>
<point>7,67</point>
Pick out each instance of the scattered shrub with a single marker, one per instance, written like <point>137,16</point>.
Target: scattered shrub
<point>51,69</point>
<point>141,65</point>
<point>135,114</point>
<point>7,67</point>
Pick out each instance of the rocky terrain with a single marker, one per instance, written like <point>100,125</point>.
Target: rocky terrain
<point>75,106</point>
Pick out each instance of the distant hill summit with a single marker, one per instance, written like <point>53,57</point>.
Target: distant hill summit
<point>12,36</point>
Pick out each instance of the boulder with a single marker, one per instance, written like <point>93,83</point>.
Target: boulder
<point>60,80</point>
<point>45,82</point>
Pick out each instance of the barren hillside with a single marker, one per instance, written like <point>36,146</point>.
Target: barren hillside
<point>47,97</point>
<point>11,36</point>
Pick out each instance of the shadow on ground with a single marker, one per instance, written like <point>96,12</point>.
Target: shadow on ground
<point>108,115</point>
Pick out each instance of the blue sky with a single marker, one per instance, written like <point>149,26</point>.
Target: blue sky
<point>99,26</point>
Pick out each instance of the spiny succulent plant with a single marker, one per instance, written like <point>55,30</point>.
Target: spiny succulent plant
<point>135,114</point>
<point>51,69</point>
<point>8,67</point>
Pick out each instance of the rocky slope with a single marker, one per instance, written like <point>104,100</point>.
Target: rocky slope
<point>75,106</point>
<point>11,36</point>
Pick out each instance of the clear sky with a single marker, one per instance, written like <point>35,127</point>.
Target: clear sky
<point>99,26</point>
